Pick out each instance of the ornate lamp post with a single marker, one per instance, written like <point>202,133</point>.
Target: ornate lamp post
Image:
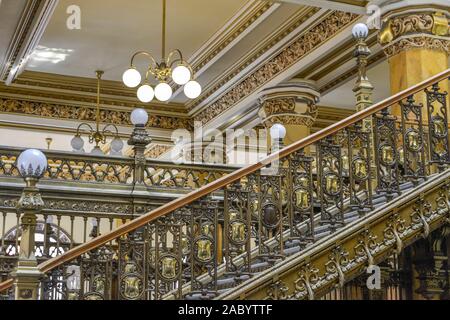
<point>139,140</point>
<point>32,164</point>
<point>363,88</point>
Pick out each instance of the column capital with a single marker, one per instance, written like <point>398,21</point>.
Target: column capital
<point>290,103</point>
<point>409,26</point>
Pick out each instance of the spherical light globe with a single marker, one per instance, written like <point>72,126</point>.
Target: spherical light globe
<point>192,89</point>
<point>131,78</point>
<point>145,93</point>
<point>278,131</point>
<point>97,151</point>
<point>181,75</point>
<point>116,145</point>
<point>32,163</point>
<point>360,31</point>
<point>163,91</point>
<point>77,143</point>
<point>139,117</point>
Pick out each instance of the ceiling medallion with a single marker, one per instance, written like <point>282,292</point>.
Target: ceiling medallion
<point>171,67</point>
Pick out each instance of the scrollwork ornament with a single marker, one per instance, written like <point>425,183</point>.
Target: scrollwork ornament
<point>283,110</point>
<point>30,201</point>
<point>394,230</point>
<point>442,202</point>
<point>427,30</point>
<point>73,112</point>
<point>423,42</point>
<point>277,291</point>
<point>338,260</point>
<point>419,217</point>
<point>307,278</point>
<point>366,246</point>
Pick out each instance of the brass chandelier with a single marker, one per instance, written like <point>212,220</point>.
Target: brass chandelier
<point>173,66</point>
<point>97,135</point>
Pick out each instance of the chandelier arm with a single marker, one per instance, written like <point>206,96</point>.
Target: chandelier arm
<point>97,112</point>
<point>91,129</point>
<point>150,70</point>
<point>106,130</point>
<point>145,53</point>
<point>169,60</point>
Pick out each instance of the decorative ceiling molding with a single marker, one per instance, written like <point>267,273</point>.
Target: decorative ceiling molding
<point>328,116</point>
<point>78,89</point>
<point>247,19</point>
<point>29,31</point>
<point>73,98</point>
<point>352,72</point>
<point>254,58</point>
<point>337,66</point>
<point>333,59</point>
<point>352,6</point>
<point>157,150</point>
<point>238,26</point>
<point>87,113</point>
<point>310,40</point>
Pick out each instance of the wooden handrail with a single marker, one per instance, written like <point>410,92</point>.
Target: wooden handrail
<point>222,182</point>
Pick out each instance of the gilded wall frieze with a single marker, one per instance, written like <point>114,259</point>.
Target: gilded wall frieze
<point>286,58</point>
<point>428,30</point>
<point>157,150</point>
<point>57,87</point>
<point>297,21</point>
<point>277,106</point>
<point>423,42</point>
<point>214,51</point>
<point>284,110</point>
<point>71,112</point>
<point>87,206</point>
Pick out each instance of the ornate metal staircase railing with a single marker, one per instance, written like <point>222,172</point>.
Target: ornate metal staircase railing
<point>341,257</point>
<point>87,195</point>
<point>192,247</point>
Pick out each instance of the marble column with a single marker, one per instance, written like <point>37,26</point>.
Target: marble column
<point>416,39</point>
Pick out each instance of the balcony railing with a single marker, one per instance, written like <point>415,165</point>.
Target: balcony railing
<point>84,168</point>
<point>77,191</point>
<point>197,247</point>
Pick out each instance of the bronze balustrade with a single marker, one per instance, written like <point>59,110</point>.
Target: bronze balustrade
<point>198,247</point>
<point>85,168</point>
<point>78,188</point>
